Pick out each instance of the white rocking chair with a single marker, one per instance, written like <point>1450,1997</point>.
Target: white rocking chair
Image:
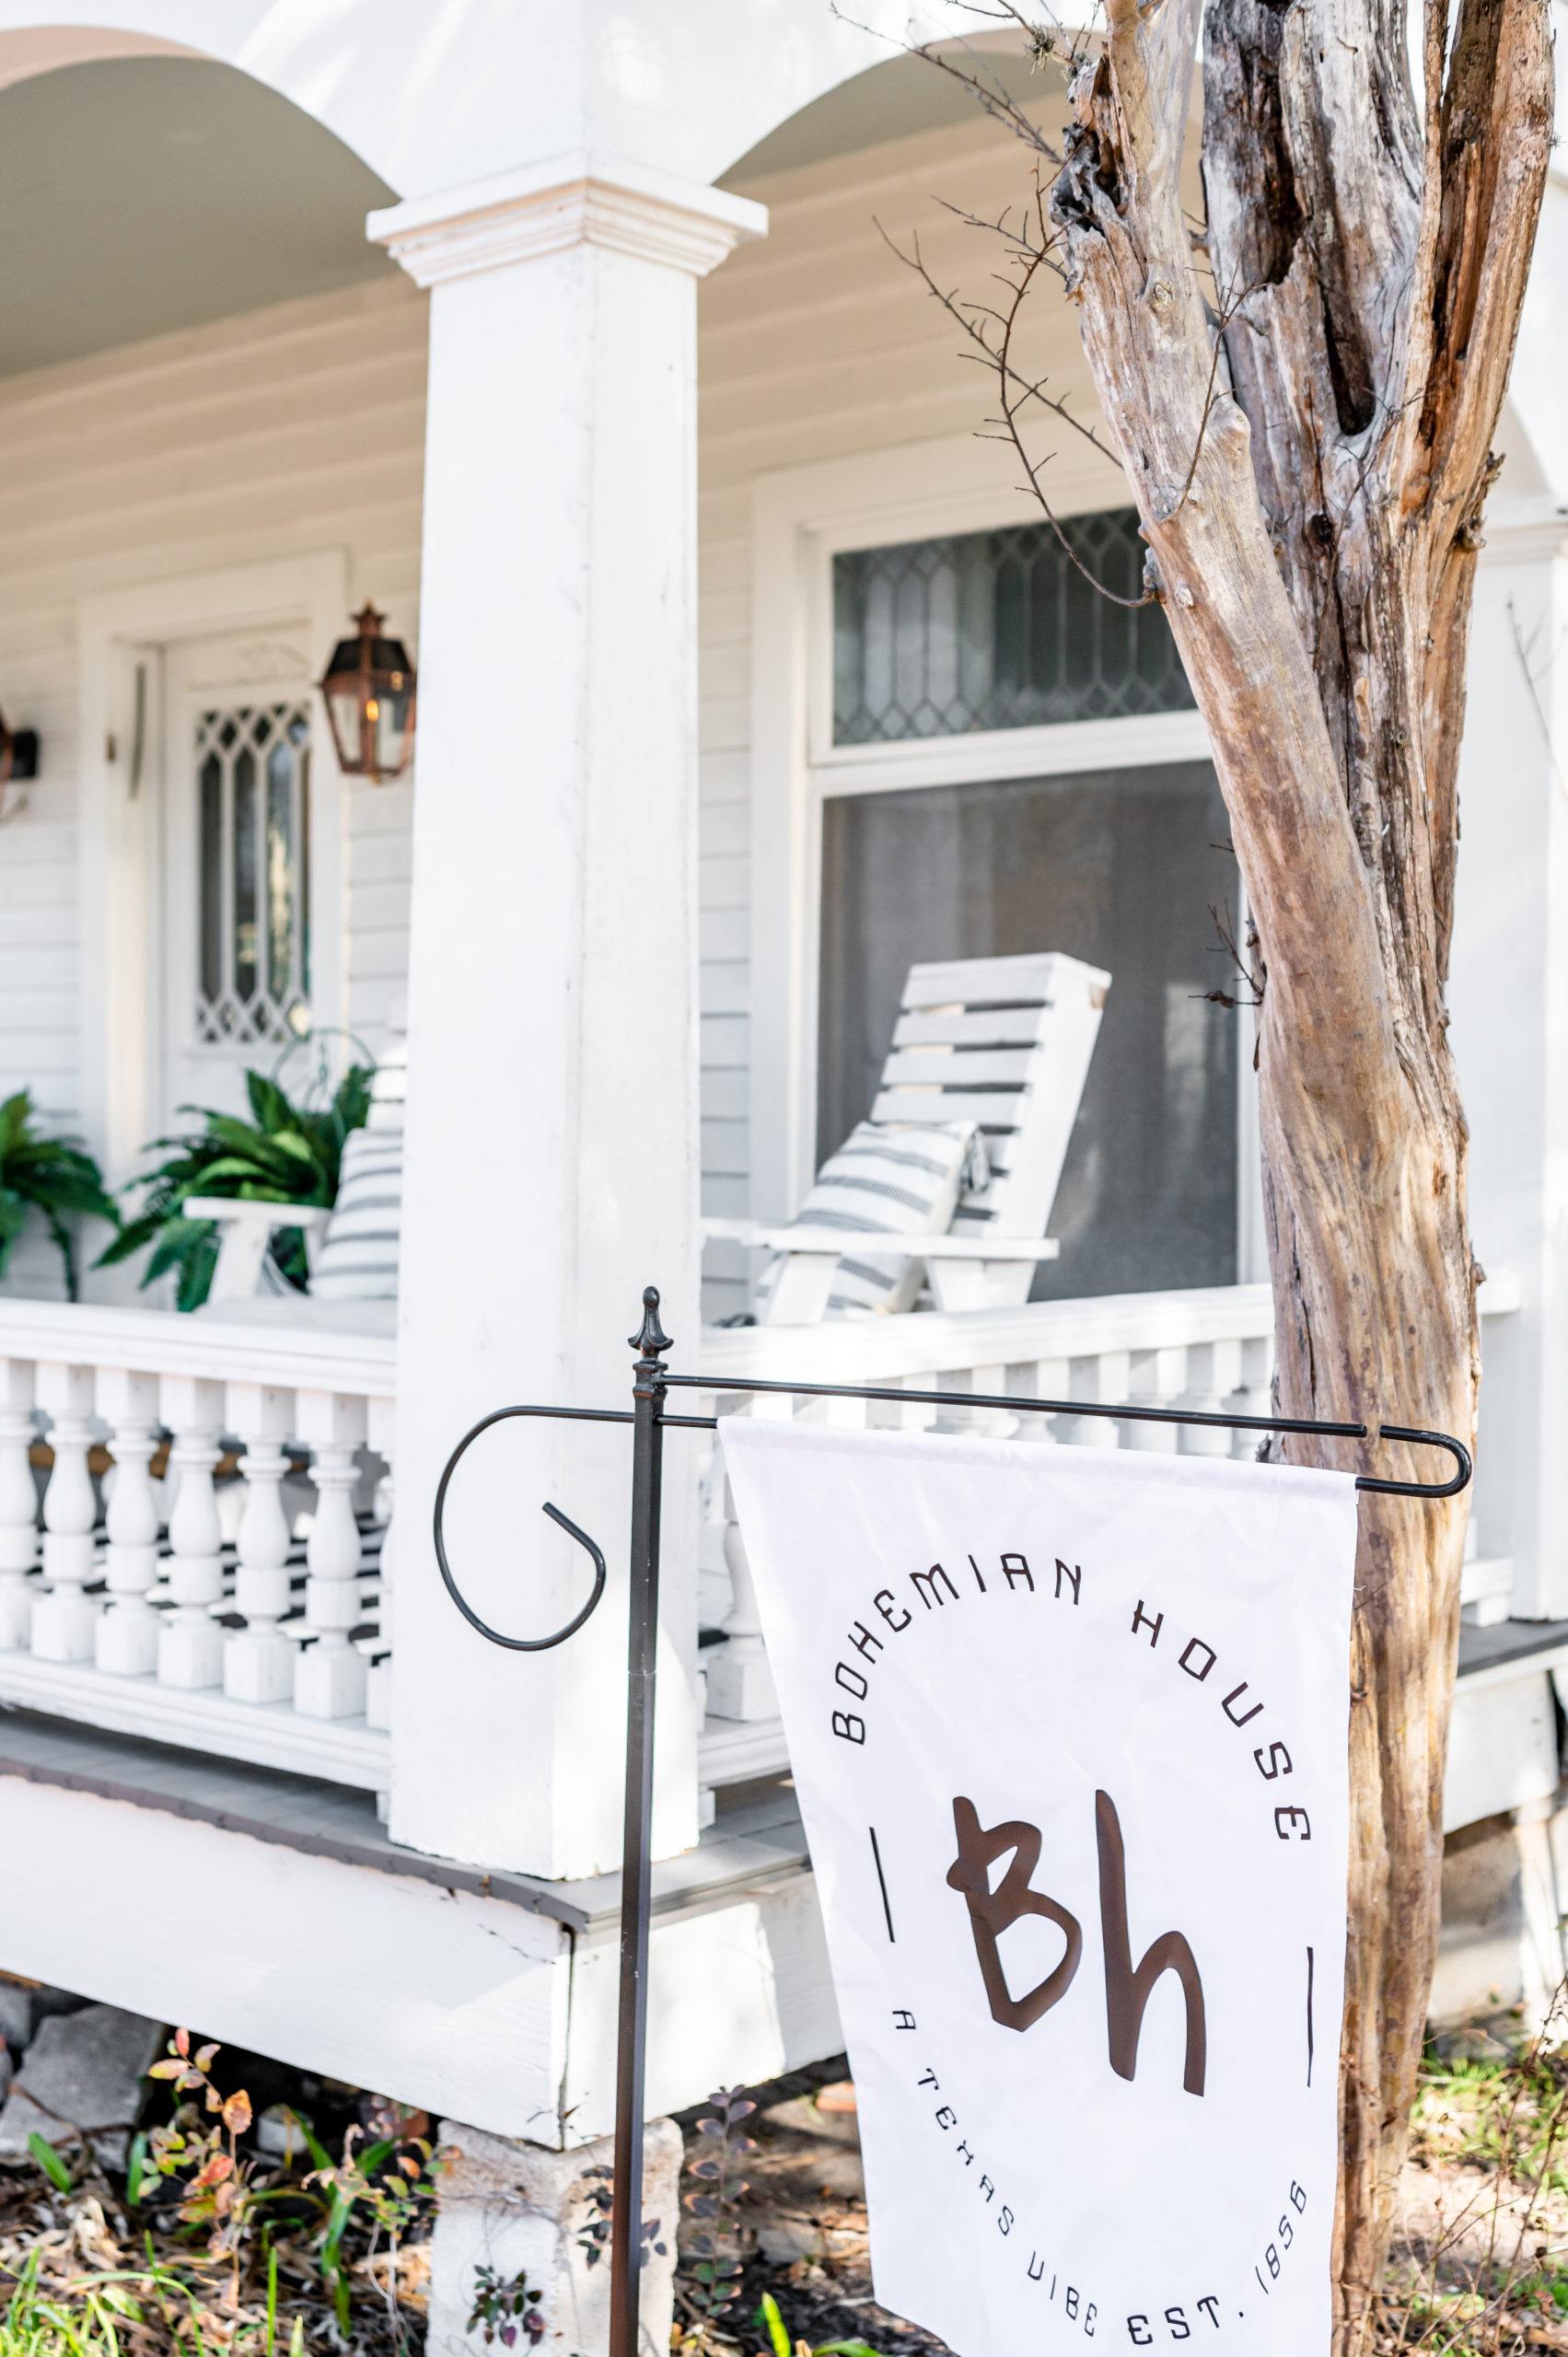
<point>1006,1043</point>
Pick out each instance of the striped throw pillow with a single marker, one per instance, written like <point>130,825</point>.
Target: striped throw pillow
<point>902,1181</point>
<point>358,1257</point>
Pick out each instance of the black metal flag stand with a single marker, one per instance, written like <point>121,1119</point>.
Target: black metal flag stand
<point>649,1421</point>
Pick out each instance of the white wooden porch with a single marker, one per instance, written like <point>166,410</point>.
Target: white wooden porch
<point>275,1800</point>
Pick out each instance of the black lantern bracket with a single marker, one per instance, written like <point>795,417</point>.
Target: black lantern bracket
<point>651,1382</point>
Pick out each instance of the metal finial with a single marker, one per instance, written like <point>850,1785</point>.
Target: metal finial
<point>652,1338</point>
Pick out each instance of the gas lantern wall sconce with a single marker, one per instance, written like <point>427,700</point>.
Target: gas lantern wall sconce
<point>369,691</point>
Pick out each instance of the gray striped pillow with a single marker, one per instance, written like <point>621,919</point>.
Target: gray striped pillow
<point>358,1258</point>
<point>902,1181</point>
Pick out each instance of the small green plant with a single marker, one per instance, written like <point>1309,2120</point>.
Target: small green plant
<point>54,1177</point>
<point>55,2168</point>
<point>288,1154</point>
<point>772,2324</point>
<point>711,2284</point>
<point>504,2305</point>
<point>217,2191</point>
<point>386,2181</point>
<point>595,2237</point>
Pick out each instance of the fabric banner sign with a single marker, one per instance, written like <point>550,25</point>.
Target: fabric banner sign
<point>1069,1731</point>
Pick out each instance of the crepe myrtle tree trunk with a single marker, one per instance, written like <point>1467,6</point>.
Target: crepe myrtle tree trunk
<point>1312,499</point>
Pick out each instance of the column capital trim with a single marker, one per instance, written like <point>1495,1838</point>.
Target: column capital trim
<point>1530,529</point>
<point>582,198</point>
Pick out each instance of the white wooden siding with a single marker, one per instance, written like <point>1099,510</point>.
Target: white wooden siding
<point>816,344</point>
<point>288,430</point>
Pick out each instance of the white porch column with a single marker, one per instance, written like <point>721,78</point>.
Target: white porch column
<point>1508,995</point>
<point>552,1126</point>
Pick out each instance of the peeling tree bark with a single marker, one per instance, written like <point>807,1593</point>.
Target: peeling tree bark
<point>1318,573</point>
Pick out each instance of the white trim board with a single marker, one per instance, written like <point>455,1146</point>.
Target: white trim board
<point>801,517</point>
<point>119,845</point>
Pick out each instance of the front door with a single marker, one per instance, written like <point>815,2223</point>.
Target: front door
<point>237,866</point>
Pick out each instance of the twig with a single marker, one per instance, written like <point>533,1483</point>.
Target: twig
<point>1015,390</point>
<point>1539,709</point>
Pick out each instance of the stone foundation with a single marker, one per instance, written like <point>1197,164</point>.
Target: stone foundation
<point>523,2209</point>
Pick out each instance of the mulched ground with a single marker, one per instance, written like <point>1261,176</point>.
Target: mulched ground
<point>1479,2261</point>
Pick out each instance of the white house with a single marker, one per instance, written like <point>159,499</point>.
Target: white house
<point>568,335</point>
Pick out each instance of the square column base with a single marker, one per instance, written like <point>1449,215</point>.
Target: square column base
<point>523,2209</point>
<point>64,1627</point>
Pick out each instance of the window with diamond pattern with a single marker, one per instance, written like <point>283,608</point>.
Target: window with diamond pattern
<point>999,630</point>
<point>253,791</point>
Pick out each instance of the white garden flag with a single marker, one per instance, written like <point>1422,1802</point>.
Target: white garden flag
<point>1069,1729</point>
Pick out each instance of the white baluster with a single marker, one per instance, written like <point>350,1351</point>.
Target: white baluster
<point>714,1596</point>
<point>948,1420</point>
<point>329,1677</point>
<point>259,1660</point>
<point>1154,1379</point>
<point>64,1619</point>
<point>995,1424</point>
<point>125,1641</point>
<point>19,1504</point>
<point>190,1645</point>
<point>382,1433</point>
<point>1039,1379</point>
<point>1214,1369</point>
<point>740,1684</point>
<point>918,1417</point>
<point>1254,1396</point>
<point>1101,1376</point>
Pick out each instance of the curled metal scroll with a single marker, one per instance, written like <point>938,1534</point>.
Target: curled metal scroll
<point>518,1645</point>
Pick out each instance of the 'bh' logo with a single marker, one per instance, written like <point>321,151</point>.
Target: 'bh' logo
<point>1127,1991</point>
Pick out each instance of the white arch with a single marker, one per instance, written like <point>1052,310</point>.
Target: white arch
<point>433,93</point>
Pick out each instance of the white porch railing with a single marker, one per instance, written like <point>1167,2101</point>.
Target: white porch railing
<point>203,1611</point>
<point>247,1616</point>
<point>1211,1350</point>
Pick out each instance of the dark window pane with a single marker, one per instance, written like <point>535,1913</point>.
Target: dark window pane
<point>999,630</point>
<point>1119,868</point>
<point>211,877</point>
<point>245,864</point>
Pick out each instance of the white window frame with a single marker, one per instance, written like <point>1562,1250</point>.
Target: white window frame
<point>802,518</point>
<point>121,837</point>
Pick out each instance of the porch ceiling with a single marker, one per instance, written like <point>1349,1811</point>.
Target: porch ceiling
<point>145,195</point>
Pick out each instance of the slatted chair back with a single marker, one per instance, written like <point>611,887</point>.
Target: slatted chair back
<point>1005,1042</point>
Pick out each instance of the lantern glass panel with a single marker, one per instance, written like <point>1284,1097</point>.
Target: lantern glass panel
<point>342,710</point>
<point>393,712</point>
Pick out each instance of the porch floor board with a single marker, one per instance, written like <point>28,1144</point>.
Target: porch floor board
<point>760,1841</point>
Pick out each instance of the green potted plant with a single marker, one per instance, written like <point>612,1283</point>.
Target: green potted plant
<point>287,1154</point>
<point>55,1177</point>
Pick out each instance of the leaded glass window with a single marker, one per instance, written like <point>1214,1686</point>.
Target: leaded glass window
<point>998,630</point>
<point>253,800</point>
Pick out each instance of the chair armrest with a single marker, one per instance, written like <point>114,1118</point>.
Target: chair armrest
<point>838,1241</point>
<point>269,1215</point>
<point>734,1231</point>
